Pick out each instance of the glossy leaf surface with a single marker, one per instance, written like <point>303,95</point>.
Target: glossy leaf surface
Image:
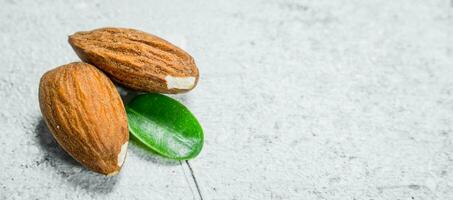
<point>165,126</point>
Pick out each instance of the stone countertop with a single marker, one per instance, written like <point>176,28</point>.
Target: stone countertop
<point>302,99</point>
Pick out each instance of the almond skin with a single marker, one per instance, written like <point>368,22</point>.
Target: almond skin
<point>136,59</point>
<point>86,116</point>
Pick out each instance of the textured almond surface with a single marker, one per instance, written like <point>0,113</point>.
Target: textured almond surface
<point>137,59</point>
<point>84,112</point>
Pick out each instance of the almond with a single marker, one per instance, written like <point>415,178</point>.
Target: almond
<point>86,116</point>
<point>137,59</point>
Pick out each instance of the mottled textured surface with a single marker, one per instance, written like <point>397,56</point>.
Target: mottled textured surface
<point>298,99</point>
<point>85,114</point>
<point>136,59</point>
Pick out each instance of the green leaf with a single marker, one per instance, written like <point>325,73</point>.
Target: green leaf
<point>165,126</point>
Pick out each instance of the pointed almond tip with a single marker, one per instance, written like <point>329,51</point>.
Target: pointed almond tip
<point>71,39</point>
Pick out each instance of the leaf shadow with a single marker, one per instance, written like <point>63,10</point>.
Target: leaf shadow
<point>68,168</point>
<point>142,151</point>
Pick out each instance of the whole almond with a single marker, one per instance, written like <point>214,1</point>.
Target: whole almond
<point>137,59</point>
<point>86,116</point>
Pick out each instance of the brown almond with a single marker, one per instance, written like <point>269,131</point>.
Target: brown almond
<point>86,116</point>
<point>137,59</point>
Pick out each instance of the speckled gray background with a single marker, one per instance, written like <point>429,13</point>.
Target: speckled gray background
<point>301,99</point>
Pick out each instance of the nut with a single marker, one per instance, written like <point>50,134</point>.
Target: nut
<point>137,59</point>
<point>86,116</point>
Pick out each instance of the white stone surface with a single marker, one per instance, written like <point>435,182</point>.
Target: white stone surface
<point>298,99</point>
